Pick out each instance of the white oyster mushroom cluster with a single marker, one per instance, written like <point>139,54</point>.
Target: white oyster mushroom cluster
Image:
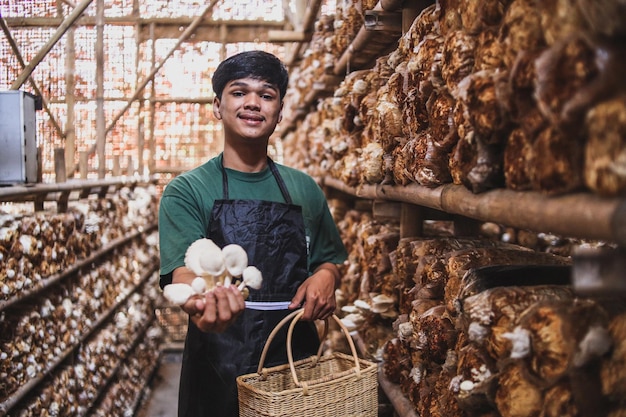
<point>213,267</point>
<point>356,313</point>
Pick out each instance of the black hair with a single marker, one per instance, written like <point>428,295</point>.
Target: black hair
<point>251,64</point>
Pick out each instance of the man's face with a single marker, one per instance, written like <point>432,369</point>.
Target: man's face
<point>249,109</point>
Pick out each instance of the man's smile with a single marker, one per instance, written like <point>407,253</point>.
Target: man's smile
<point>251,117</point>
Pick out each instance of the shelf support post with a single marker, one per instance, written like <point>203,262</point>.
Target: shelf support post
<point>411,220</point>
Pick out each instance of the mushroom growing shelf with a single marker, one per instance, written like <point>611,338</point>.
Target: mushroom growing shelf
<point>78,296</point>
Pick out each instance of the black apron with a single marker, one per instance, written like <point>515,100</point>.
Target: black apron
<point>273,236</point>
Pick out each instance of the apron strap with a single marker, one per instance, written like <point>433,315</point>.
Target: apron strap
<point>273,168</point>
<point>279,180</point>
<point>224,179</point>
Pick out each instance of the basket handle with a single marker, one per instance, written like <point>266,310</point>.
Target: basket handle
<point>294,316</point>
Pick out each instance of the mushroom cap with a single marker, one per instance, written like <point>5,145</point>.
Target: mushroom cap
<point>349,324</point>
<point>235,259</point>
<point>383,299</point>
<point>212,262</point>
<point>362,304</point>
<point>353,321</point>
<point>252,277</point>
<point>356,318</point>
<point>204,256</point>
<point>198,285</point>
<point>178,293</point>
<point>360,87</point>
<point>382,303</point>
<point>350,309</point>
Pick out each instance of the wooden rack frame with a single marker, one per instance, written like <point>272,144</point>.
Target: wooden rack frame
<point>62,192</point>
<point>578,215</point>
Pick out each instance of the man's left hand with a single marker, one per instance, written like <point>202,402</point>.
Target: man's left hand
<point>317,294</point>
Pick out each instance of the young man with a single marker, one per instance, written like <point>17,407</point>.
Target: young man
<point>277,214</point>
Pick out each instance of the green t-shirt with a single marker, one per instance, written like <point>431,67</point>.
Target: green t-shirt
<point>187,201</point>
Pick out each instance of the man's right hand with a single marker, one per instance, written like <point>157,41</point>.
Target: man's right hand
<point>214,311</point>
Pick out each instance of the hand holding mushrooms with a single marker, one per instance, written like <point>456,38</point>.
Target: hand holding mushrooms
<point>214,267</point>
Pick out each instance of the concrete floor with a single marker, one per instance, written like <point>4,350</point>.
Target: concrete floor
<point>163,397</point>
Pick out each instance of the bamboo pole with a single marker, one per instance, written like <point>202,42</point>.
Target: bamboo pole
<point>293,17</point>
<point>391,5</point>
<point>400,403</point>
<point>572,215</point>
<point>152,107</point>
<point>223,37</point>
<point>358,45</point>
<point>165,25</point>
<point>69,21</point>
<point>83,164</point>
<point>287,36</point>
<point>100,121</point>
<point>411,220</point>
<point>179,100</point>
<point>411,11</point>
<point>59,165</point>
<point>117,168</point>
<point>141,143</point>
<point>577,215</point>
<point>70,102</point>
<point>20,59</point>
<point>310,17</point>
<point>141,122</point>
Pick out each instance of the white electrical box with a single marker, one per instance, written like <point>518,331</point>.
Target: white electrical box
<point>18,138</point>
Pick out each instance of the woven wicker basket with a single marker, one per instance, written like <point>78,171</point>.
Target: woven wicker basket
<point>335,385</point>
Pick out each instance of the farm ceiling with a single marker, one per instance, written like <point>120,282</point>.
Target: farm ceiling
<point>149,61</point>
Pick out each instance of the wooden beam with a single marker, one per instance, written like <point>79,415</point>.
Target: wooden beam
<point>364,49</point>
<point>170,25</point>
<point>40,22</point>
<point>69,21</point>
<point>169,28</point>
<point>287,36</point>
<point>27,192</point>
<point>211,33</point>
<point>383,20</point>
<point>581,215</point>
<point>192,100</point>
<point>133,20</point>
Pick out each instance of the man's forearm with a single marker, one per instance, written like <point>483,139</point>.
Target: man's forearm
<point>332,268</point>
